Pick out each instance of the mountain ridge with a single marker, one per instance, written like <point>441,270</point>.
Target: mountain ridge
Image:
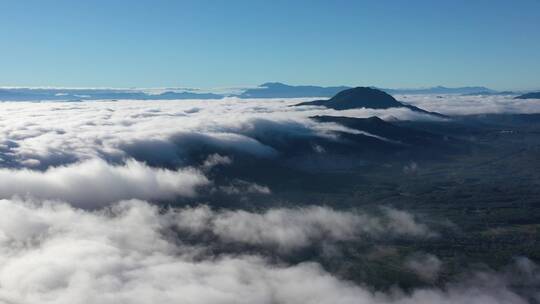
<point>531,95</point>
<point>282,90</point>
<point>364,97</point>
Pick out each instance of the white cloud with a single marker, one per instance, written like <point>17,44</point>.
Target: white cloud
<point>426,266</point>
<point>467,105</point>
<point>130,252</point>
<point>95,183</point>
<point>243,187</point>
<point>53,253</point>
<point>216,160</point>
<point>288,229</point>
<point>47,134</point>
<point>405,223</point>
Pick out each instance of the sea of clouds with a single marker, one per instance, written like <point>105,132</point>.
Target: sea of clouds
<point>51,252</point>
<point>39,135</point>
<point>46,134</point>
<point>80,223</point>
<point>453,104</point>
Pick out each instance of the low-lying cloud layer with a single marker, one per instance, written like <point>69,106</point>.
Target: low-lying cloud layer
<point>80,225</point>
<point>95,183</point>
<point>292,228</point>
<point>114,130</point>
<point>40,135</point>
<point>53,253</point>
<point>468,105</point>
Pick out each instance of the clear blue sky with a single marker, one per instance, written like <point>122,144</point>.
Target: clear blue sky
<point>143,43</point>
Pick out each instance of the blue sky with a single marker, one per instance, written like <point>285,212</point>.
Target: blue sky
<point>235,43</point>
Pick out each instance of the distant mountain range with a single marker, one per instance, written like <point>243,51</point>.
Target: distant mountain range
<point>31,94</point>
<point>490,93</point>
<point>364,97</point>
<point>441,90</point>
<point>533,95</point>
<point>265,90</point>
<point>281,90</point>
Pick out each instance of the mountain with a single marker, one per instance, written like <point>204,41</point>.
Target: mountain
<point>363,97</point>
<point>32,94</point>
<point>440,90</point>
<point>184,95</point>
<point>281,90</point>
<point>532,95</point>
<point>359,97</point>
<point>488,93</point>
<point>265,90</point>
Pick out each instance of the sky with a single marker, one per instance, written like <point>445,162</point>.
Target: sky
<point>212,44</point>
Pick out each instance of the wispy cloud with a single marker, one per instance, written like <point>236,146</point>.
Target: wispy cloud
<point>288,229</point>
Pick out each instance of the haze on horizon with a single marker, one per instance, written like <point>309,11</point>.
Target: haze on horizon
<point>212,44</point>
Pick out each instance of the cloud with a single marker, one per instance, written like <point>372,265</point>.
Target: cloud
<point>216,160</point>
<point>94,249</point>
<point>95,183</point>
<point>289,229</point>
<point>403,222</point>
<point>139,129</point>
<point>426,266</point>
<point>468,105</point>
<point>242,187</point>
<point>54,253</point>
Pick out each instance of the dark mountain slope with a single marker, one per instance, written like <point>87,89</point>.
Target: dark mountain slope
<point>360,97</point>
<point>379,127</point>
<point>533,95</point>
<point>364,97</point>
